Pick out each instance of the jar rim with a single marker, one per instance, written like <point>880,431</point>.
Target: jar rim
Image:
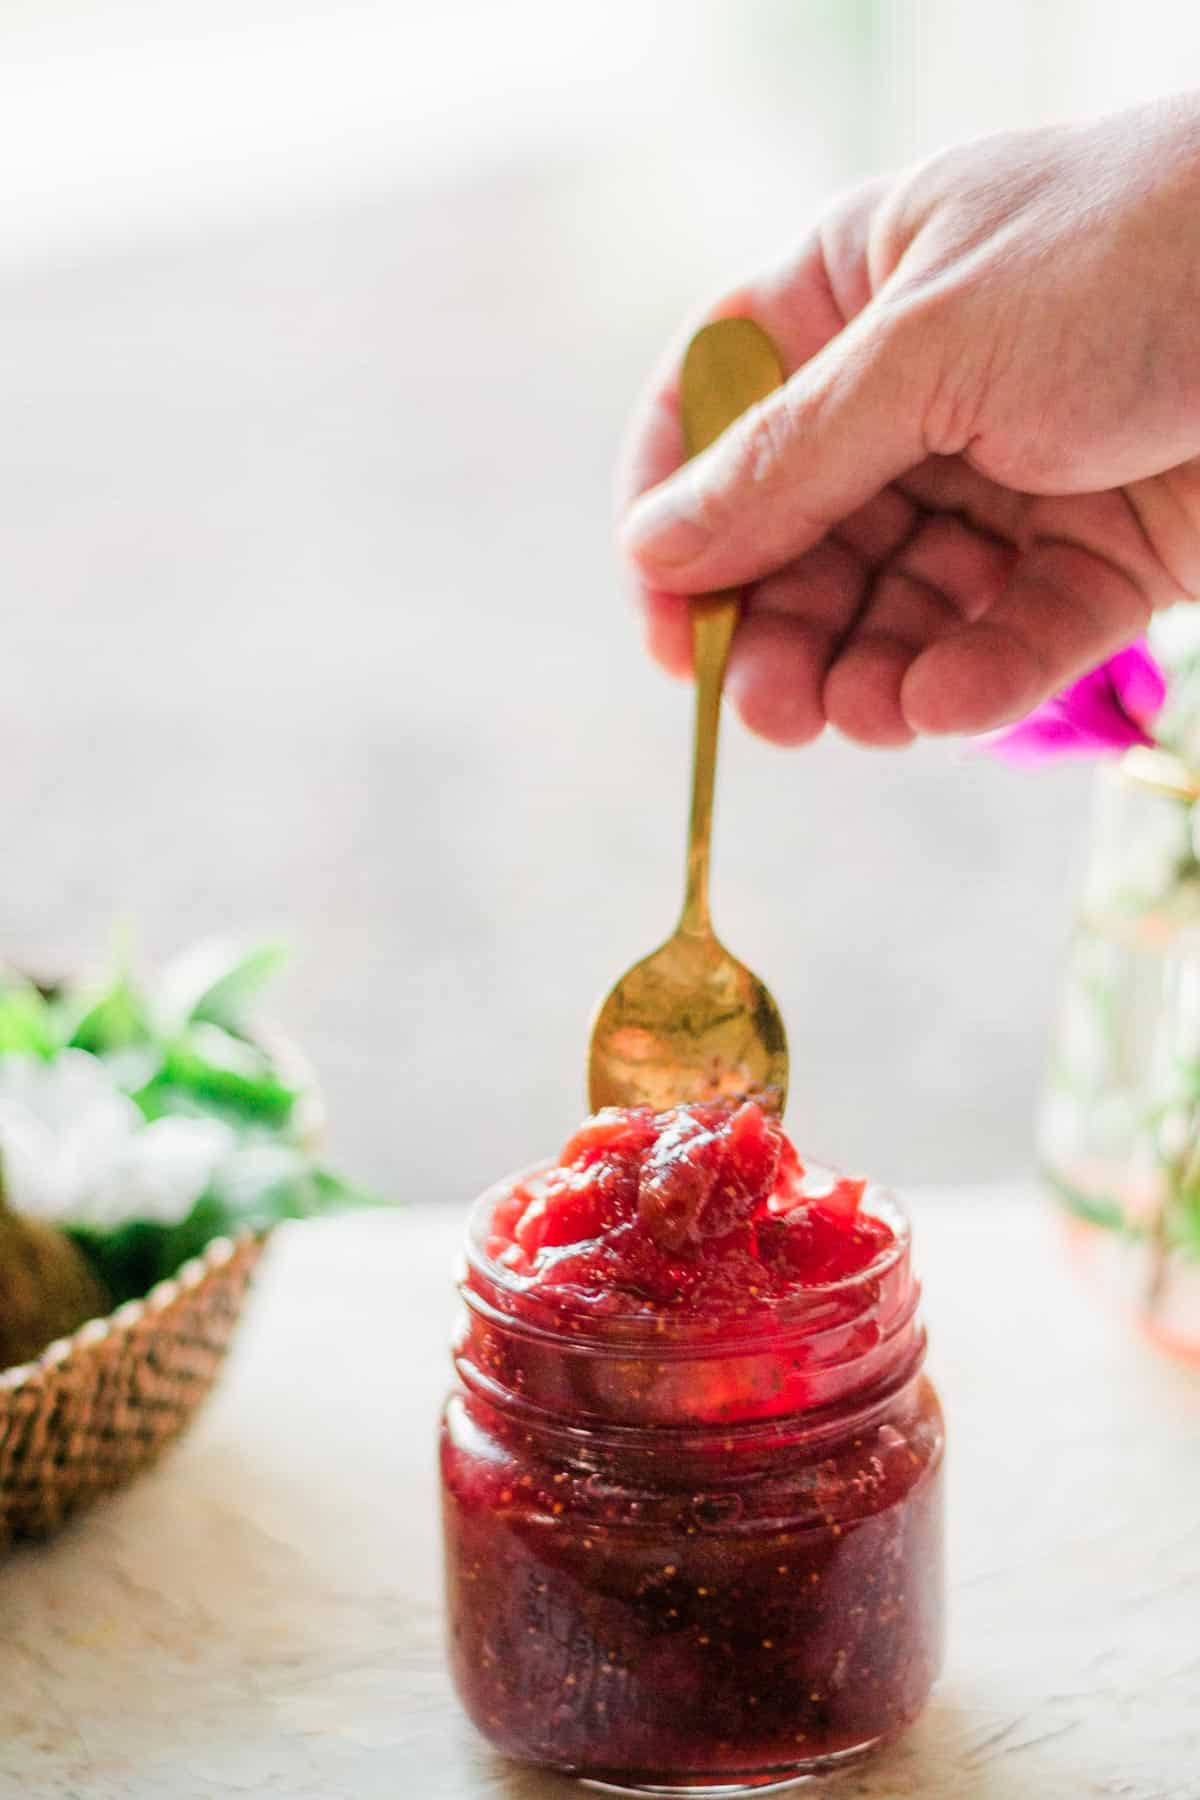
<point>814,1306</point>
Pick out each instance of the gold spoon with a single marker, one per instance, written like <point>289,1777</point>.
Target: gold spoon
<point>690,1022</point>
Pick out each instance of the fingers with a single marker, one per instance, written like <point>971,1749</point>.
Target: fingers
<point>775,674</point>
<point>905,625</point>
<point>796,307</point>
<point>801,305</point>
<point>831,639</point>
<point>949,484</point>
<point>957,631</point>
<point>667,629</point>
<point>881,528</point>
<point>845,425</point>
<point>945,574</point>
<point>788,634</point>
<point>787,638</point>
<point>1085,584</point>
<point>1063,612</point>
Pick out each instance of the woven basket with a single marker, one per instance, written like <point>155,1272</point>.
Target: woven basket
<point>97,1408</point>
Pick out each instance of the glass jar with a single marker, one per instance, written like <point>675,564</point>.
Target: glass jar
<point>1119,1131</point>
<point>682,1554</point>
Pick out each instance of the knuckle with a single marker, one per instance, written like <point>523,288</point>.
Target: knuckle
<point>760,444</point>
<point>950,355</point>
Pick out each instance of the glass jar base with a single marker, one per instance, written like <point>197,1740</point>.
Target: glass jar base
<point>722,1787</point>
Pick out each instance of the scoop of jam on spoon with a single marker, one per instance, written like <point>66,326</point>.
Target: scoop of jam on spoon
<point>690,1022</point>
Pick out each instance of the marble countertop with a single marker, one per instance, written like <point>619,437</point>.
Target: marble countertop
<point>261,1616</point>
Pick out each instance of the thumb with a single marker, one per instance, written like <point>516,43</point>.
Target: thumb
<point>808,455</point>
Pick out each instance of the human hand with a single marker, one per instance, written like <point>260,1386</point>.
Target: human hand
<point>983,473</point>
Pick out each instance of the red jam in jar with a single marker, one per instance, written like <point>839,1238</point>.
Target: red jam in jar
<point>692,1473</point>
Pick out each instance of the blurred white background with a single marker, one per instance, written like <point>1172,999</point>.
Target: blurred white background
<point>319,323</point>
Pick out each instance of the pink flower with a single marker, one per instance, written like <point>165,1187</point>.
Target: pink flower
<point>1103,713</point>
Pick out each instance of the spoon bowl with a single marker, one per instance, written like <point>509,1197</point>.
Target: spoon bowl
<point>690,1022</point>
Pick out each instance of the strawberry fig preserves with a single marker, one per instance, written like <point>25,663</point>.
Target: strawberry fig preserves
<point>692,1470</point>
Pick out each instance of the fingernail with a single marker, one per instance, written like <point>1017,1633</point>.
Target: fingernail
<point>661,530</point>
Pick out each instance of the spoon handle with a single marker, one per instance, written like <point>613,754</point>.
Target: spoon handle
<point>728,365</point>
<point>713,620</point>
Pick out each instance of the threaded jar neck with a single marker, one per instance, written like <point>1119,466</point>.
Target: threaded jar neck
<point>812,1362</point>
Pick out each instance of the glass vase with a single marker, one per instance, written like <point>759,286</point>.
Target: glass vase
<point>1119,1132</point>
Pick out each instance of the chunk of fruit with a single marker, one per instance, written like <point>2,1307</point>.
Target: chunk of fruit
<point>700,1207</point>
<point>612,1128</point>
<point>678,1179</point>
<point>705,1174</point>
<point>753,1145</point>
<point>843,1199</point>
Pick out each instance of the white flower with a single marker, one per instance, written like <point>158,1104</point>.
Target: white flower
<point>75,1150</point>
<point>254,1169</point>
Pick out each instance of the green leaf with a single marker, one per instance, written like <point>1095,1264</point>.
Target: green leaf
<point>1185,1229</point>
<point>28,1025</point>
<point>190,1083</point>
<point>132,1259</point>
<point>1096,1209</point>
<point>207,1220</point>
<point>113,1022</point>
<point>263,1184</point>
<point>186,1050</point>
<point>215,981</point>
<point>335,1194</point>
<point>1186,1074</point>
<point>129,1260</point>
